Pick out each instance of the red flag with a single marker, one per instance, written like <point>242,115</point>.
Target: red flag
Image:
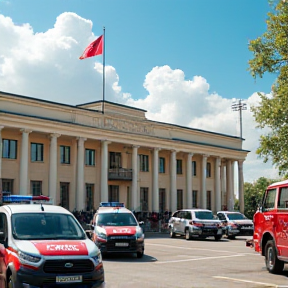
<point>93,49</point>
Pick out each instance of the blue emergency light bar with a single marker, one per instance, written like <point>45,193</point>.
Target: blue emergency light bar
<point>111,204</point>
<point>23,198</point>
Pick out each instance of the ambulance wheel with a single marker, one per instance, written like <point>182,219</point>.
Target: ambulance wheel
<point>273,264</point>
<point>140,254</point>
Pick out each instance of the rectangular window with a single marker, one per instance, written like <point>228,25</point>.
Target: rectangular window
<point>7,185</point>
<point>179,166</point>
<point>283,198</point>
<point>162,200</point>
<point>179,199</point>
<point>208,170</point>
<point>9,149</point>
<point>144,163</point>
<point>113,193</point>
<point>115,160</point>
<point>208,203</point>
<point>36,188</point>
<point>194,168</point>
<point>37,152</point>
<point>144,199</point>
<point>89,197</point>
<point>194,199</point>
<point>89,157</point>
<point>161,165</point>
<point>65,154</point>
<point>64,195</point>
<point>269,200</point>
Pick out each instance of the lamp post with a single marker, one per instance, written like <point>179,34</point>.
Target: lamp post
<point>239,106</point>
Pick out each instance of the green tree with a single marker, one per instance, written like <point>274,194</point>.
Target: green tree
<point>270,54</point>
<point>253,193</point>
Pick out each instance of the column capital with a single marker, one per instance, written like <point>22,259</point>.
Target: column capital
<point>157,149</point>
<point>240,161</point>
<point>81,139</point>
<point>205,156</point>
<point>135,146</point>
<point>1,127</point>
<point>24,130</point>
<point>54,135</point>
<point>105,141</point>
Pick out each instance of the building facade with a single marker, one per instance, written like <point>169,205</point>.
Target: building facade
<point>83,155</point>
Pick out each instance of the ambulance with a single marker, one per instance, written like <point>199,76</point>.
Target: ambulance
<point>45,246</point>
<point>116,230</point>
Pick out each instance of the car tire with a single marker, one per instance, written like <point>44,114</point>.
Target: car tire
<point>217,237</point>
<point>171,233</point>
<point>187,234</point>
<point>273,264</point>
<point>140,254</point>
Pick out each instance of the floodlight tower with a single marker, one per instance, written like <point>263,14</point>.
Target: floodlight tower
<point>239,106</point>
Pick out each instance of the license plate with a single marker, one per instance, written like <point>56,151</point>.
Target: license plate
<point>122,244</point>
<point>69,279</point>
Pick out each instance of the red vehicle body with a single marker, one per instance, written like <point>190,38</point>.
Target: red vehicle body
<point>270,236</point>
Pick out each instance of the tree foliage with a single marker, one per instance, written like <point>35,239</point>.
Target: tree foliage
<point>253,193</point>
<point>270,54</point>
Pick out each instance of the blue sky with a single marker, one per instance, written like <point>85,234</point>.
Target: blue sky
<point>181,60</point>
<point>201,37</point>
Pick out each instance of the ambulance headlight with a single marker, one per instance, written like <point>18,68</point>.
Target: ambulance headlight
<point>97,259</point>
<point>28,258</point>
<point>139,234</point>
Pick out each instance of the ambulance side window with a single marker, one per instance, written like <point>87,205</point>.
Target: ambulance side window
<point>3,228</point>
<point>283,198</point>
<point>269,201</point>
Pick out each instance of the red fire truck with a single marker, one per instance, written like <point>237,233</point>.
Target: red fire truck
<point>270,236</point>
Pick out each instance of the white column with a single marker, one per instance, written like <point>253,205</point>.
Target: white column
<point>217,185</point>
<point>223,185</point>
<point>229,185</point>
<point>241,185</point>
<point>80,191</point>
<point>173,187</point>
<point>134,194</point>
<point>155,193</point>
<point>204,192</point>
<point>24,164</point>
<point>233,184</point>
<point>52,186</point>
<point>104,171</point>
<point>189,181</point>
<point>1,127</point>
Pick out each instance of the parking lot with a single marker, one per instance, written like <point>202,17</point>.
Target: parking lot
<point>196,263</point>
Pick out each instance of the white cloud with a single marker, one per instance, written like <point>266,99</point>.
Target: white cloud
<point>43,65</point>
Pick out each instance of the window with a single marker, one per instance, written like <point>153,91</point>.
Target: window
<point>208,170</point>
<point>9,149</point>
<point>194,168</point>
<point>161,165</point>
<point>65,154</point>
<point>208,203</point>
<point>89,157</point>
<point>89,197</point>
<point>283,198</point>
<point>194,199</point>
<point>269,200</point>
<point>143,198</point>
<point>36,152</point>
<point>115,160</point>
<point>113,193</point>
<point>64,195</point>
<point>36,188</point>
<point>144,163</point>
<point>179,199</point>
<point>7,185</point>
<point>162,200</point>
<point>179,166</point>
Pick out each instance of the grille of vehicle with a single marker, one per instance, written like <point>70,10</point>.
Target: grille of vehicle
<point>58,266</point>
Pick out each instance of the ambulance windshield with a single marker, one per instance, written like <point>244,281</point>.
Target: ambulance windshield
<point>46,226</point>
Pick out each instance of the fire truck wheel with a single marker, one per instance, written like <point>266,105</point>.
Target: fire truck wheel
<point>273,264</point>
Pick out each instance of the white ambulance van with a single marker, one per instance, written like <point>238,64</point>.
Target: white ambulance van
<point>45,246</point>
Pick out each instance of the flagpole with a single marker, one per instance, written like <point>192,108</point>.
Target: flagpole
<point>103,70</point>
